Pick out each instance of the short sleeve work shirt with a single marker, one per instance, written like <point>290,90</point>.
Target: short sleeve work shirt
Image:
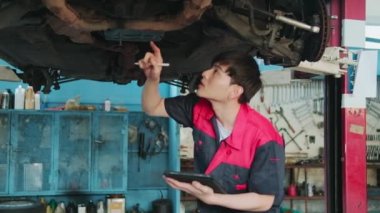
<point>251,159</point>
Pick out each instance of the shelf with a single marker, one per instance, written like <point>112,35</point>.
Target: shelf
<point>373,165</point>
<point>373,197</point>
<point>191,198</point>
<point>304,198</point>
<point>289,166</point>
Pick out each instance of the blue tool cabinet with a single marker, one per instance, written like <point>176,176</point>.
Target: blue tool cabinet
<point>145,172</point>
<point>5,127</point>
<point>50,153</point>
<point>31,159</point>
<point>74,152</point>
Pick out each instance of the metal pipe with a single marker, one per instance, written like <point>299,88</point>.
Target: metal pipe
<point>293,22</point>
<point>290,21</point>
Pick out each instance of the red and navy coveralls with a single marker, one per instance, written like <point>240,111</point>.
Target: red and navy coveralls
<point>251,159</point>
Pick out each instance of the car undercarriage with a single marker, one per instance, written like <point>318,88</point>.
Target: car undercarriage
<point>56,41</point>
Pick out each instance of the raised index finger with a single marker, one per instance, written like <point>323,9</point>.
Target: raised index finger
<point>155,48</point>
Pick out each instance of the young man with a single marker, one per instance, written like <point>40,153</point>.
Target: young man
<point>233,143</point>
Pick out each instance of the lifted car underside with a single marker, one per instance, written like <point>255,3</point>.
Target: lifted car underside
<point>54,41</point>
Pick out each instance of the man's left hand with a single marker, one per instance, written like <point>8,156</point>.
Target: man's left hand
<point>196,189</point>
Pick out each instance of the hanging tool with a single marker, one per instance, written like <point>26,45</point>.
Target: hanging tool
<point>292,139</point>
<point>141,152</point>
<point>303,107</point>
<point>275,121</point>
<point>303,116</point>
<point>281,113</point>
<point>307,141</point>
<point>153,146</point>
<point>318,106</point>
<point>374,109</point>
<point>163,137</point>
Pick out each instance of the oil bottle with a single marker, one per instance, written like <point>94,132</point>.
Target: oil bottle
<point>29,98</point>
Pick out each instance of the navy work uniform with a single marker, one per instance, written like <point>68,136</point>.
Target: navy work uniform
<point>250,159</point>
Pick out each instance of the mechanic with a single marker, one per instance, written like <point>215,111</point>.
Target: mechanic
<point>233,143</point>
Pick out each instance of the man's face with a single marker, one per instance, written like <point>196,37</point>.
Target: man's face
<point>215,83</point>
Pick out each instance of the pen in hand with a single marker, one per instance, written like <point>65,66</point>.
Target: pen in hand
<point>160,64</point>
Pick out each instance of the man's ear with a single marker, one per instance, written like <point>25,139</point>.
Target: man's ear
<point>236,92</point>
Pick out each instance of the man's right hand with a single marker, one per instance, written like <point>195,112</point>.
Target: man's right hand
<point>151,63</point>
<point>152,103</point>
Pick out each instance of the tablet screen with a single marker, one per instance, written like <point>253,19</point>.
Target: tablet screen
<point>201,178</point>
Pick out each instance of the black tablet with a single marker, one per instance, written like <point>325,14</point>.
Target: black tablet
<point>201,178</point>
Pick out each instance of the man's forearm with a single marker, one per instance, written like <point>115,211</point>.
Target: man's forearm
<point>246,201</point>
<point>151,96</point>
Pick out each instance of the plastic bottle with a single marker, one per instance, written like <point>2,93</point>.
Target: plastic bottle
<point>48,209</point>
<point>107,105</point>
<point>29,98</point>
<point>100,207</point>
<point>53,204</point>
<point>43,201</point>
<point>5,100</point>
<point>11,99</point>
<point>60,208</point>
<point>37,101</point>
<point>91,207</point>
<point>44,101</point>
<point>19,97</point>
<point>310,190</point>
<point>71,208</point>
<point>81,208</point>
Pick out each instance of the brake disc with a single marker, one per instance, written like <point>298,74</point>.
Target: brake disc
<point>315,44</point>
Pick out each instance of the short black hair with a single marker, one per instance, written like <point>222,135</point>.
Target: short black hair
<point>244,71</point>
